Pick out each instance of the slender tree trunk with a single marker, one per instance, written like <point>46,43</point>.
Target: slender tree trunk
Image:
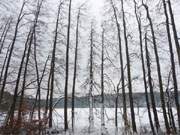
<point>47,95</point>
<point>38,78</point>
<point>4,63</point>
<point>67,71</point>
<point>169,106</point>
<point>39,5</point>
<point>10,115</point>
<point>4,34</point>
<point>75,68</point>
<point>144,70</point>
<point>53,68</point>
<point>175,34</point>
<point>158,71</point>
<point>173,65</point>
<point>156,119</point>
<point>122,72</point>
<point>21,102</point>
<point>91,115</point>
<point>128,72</point>
<point>36,99</point>
<point>11,51</point>
<point>102,86</point>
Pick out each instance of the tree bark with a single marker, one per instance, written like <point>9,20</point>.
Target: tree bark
<point>11,51</point>
<point>173,65</point>
<point>122,72</point>
<point>53,68</point>
<point>156,119</point>
<point>158,71</point>
<point>102,85</point>
<point>174,31</point>
<point>128,71</point>
<point>67,71</point>
<point>75,68</point>
<point>143,68</point>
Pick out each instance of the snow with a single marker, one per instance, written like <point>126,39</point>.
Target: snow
<point>82,120</point>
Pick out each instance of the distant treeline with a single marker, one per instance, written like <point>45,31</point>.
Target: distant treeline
<point>83,102</point>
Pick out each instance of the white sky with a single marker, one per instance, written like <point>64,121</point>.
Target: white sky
<point>95,8</point>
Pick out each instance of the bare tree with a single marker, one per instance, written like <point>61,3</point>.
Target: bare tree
<point>158,69</point>
<point>143,67</point>
<point>91,77</point>
<point>128,71</point>
<point>53,67</point>
<point>102,83</point>
<point>173,65</point>
<point>4,33</point>
<point>67,70</point>
<point>75,65</point>
<point>20,16</point>
<point>175,35</point>
<point>122,71</point>
<point>156,119</point>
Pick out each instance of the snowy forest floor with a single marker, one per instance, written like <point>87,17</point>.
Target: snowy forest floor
<point>82,121</point>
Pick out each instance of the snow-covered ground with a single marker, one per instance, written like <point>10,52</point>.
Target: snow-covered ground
<point>82,121</point>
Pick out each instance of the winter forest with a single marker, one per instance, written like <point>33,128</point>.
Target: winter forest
<point>89,67</point>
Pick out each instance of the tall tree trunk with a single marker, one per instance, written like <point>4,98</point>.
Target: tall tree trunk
<point>21,102</point>
<point>102,85</point>
<point>128,71</point>
<point>47,95</point>
<point>10,115</point>
<point>53,68</point>
<point>39,5</point>
<point>173,65</point>
<point>4,63</point>
<point>75,68</point>
<point>156,119</point>
<point>158,71</point>
<point>67,71</point>
<point>4,34</point>
<point>122,71</point>
<point>91,115</point>
<point>11,51</point>
<point>143,68</point>
<point>36,98</point>
<point>169,106</point>
<point>174,33</point>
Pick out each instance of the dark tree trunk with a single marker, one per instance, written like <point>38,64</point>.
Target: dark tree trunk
<point>91,117</point>
<point>156,119</point>
<point>75,67</point>
<point>10,115</point>
<point>4,34</point>
<point>169,106</point>
<point>174,32</point>
<point>21,102</point>
<point>67,71</point>
<point>37,93</point>
<point>122,72</point>
<point>128,72</point>
<point>158,71</point>
<point>173,65</point>
<point>11,51</point>
<point>143,69</point>
<point>102,85</point>
<point>53,69</point>
<point>47,95</point>
<point>4,63</point>
<point>39,5</point>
